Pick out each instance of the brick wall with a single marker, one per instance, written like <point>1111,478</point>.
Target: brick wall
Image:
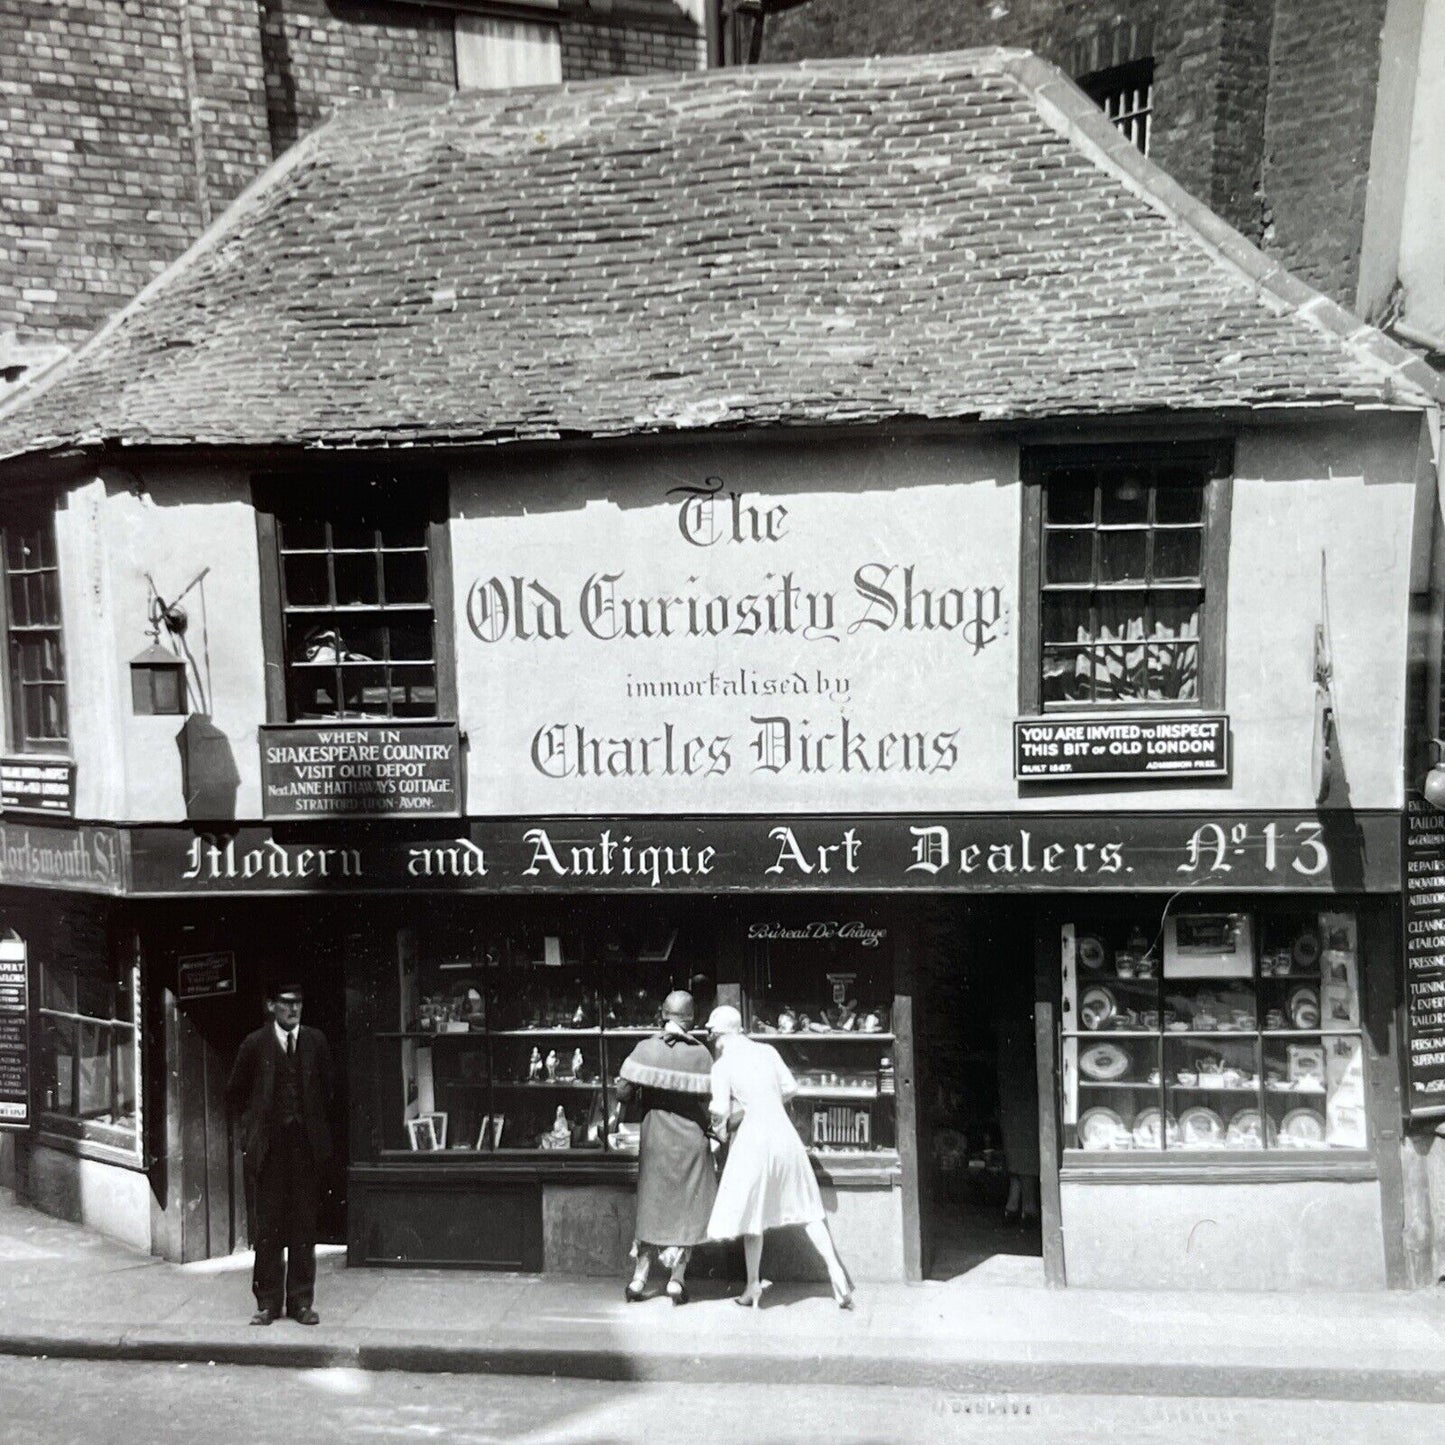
<point>1318,127</point>
<point>1262,108</point>
<point>644,36</point>
<point>106,106</point>
<point>320,56</point>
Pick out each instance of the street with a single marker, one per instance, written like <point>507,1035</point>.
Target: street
<point>104,1403</point>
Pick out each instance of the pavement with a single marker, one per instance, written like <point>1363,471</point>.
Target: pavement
<point>66,1292</point>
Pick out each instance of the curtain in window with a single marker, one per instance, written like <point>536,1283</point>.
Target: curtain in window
<point>497,54</point>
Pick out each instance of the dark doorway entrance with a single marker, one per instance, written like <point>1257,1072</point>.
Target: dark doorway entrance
<point>978,1103</point>
<point>200,1177</point>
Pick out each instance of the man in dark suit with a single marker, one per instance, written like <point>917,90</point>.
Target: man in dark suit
<point>280,1089</point>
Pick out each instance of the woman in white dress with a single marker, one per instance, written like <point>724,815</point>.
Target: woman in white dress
<point>768,1180</point>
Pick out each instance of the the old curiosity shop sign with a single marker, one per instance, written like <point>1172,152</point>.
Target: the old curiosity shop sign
<point>1422,860</point>
<point>382,770</point>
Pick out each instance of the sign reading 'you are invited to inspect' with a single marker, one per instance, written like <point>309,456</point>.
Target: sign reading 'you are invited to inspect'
<point>386,770</point>
<point>1048,749</point>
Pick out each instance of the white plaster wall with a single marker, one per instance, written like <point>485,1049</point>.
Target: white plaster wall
<point>1422,238</point>
<point>173,524</point>
<point>951,508</point>
<point>105,1197</point>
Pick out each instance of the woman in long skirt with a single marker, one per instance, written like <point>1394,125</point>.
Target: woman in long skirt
<point>768,1179</point>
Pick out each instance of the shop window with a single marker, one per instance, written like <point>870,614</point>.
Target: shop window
<point>508,1041</point>
<point>87,1052</point>
<point>38,712</point>
<point>1124,558</point>
<point>355,577</point>
<point>1125,93</point>
<point>1213,1032</point>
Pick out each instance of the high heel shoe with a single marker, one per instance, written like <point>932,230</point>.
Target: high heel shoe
<point>746,1299</point>
<point>843,1298</point>
<point>633,1293</point>
<point>677,1292</point>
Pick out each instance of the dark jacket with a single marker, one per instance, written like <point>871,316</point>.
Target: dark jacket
<point>250,1089</point>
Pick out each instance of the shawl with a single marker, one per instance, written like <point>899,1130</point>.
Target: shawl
<point>670,1061</point>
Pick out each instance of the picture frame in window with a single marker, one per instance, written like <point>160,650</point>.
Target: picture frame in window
<point>439,1128</point>
<point>422,1134</point>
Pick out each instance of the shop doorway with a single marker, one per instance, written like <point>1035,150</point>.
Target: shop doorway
<point>978,1105</point>
<point>207,1211</point>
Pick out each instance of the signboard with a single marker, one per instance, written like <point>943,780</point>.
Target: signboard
<point>14,1036</point>
<point>1354,852</point>
<point>84,859</point>
<point>372,769</point>
<point>206,975</point>
<point>37,785</point>
<point>1422,860</point>
<point>1048,749</point>
<point>752,642</point>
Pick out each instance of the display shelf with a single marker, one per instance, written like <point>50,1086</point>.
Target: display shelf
<point>1117,1084</point>
<point>832,1036</point>
<point>545,1084</point>
<point>836,1091</point>
<point>426,1035</point>
<point>561,1031</point>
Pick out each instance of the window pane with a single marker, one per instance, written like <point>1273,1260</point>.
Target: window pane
<point>1068,674</point>
<point>306,580</point>
<point>50,597</point>
<point>302,532</point>
<point>58,1045</point>
<point>1177,555</point>
<point>406,579</point>
<point>353,532</point>
<point>364,689</point>
<point>1068,556</point>
<point>1122,556</point>
<point>58,988</point>
<point>94,1076</point>
<point>1069,498</point>
<point>1173,672</point>
<point>356,580</point>
<point>1179,497</point>
<point>1175,616</point>
<point>313,692</point>
<point>414,692</point>
<point>396,533</point>
<point>19,602</point>
<point>1124,498</point>
<point>1066,617</point>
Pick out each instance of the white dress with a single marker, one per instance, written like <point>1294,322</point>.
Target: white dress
<point>768,1180</point>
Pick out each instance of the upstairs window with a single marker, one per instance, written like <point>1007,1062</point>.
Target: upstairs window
<point>354,578</point>
<point>1124,563</point>
<point>38,712</point>
<point>1125,93</point>
<point>500,53</point>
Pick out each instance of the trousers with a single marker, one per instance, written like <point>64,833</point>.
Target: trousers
<point>287,1196</point>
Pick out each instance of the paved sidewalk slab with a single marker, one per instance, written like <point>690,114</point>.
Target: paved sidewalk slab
<point>67,1292</point>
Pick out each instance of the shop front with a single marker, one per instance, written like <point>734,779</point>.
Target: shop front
<point>1197,1010</point>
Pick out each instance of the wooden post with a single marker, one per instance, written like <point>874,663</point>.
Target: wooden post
<point>1051,1213</point>
<point>906,1104</point>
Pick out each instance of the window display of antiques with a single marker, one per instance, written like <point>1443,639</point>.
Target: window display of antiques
<point>515,1042</point>
<point>1213,1031</point>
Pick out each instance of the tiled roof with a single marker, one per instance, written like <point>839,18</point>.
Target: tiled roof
<point>940,237</point>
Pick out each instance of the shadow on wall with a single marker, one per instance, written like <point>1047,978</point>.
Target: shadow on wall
<point>209,775</point>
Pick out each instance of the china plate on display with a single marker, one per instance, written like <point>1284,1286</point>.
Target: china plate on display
<point>1104,1061</point>
<point>1091,952</point>
<point>1244,1130</point>
<point>1102,1129</point>
<point>1096,1007</point>
<point>1200,1128</point>
<point>1304,1008</point>
<point>1303,1128</point>
<point>1146,1129</point>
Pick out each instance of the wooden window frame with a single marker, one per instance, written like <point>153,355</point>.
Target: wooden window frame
<point>1125,93</point>
<point>1215,461</point>
<point>25,512</point>
<point>431,491</point>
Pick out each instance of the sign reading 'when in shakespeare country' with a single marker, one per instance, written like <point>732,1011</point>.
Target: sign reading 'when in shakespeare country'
<point>392,769</point>
<point>1157,747</point>
<point>1422,862</point>
<point>14,1037</point>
